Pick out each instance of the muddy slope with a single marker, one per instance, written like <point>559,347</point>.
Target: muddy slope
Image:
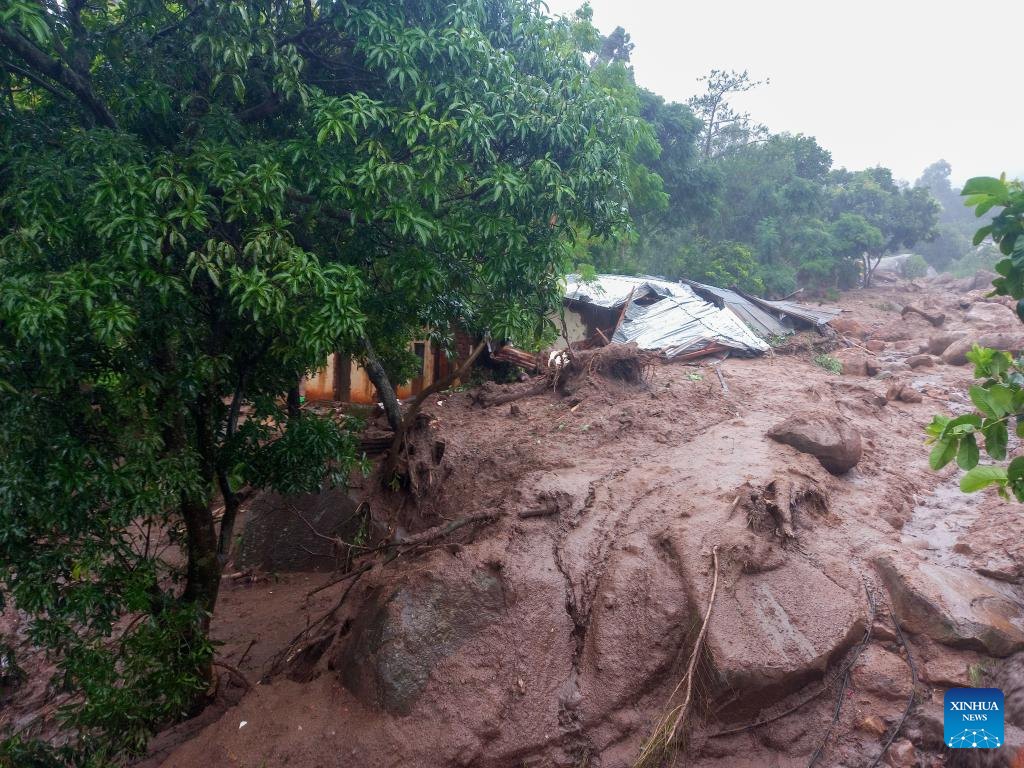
<point>554,633</point>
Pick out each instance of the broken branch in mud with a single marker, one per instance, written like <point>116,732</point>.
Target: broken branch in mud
<point>234,671</point>
<point>662,741</point>
<point>913,693</point>
<point>425,537</point>
<point>936,320</point>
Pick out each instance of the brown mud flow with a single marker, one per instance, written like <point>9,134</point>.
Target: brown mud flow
<point>551,623</point>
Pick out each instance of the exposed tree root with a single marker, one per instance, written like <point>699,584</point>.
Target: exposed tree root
<point>663,740</point>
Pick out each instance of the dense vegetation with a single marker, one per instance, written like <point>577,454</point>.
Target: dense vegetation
<point>199,202</point>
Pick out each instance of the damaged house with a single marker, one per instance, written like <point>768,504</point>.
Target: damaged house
<point>682,321</point>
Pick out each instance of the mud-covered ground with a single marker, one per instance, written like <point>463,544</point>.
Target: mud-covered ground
<point>553,628</point>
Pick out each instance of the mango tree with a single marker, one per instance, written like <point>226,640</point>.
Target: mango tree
<point>199,202</point>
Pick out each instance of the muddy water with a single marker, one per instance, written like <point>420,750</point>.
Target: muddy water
<point>940,520</point>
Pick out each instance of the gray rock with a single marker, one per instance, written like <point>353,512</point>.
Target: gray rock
<point>399,637</point>
<point>827,436</point>
<point>275,538</point>
<point>954,606</point>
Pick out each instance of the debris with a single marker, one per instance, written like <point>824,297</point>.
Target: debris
<point>857,362</point>
<point>871,724</point>
<point>936,318</point>
<point>901,756</point>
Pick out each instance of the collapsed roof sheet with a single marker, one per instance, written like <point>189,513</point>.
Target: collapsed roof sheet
<point>760,321</point>
<point>808,314</point>
<point>610,291</point>
<point>684,324</point>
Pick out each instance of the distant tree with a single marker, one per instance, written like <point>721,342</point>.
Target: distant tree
<point>904,215</point>
<point>724,128</point>
<point>956,225</point>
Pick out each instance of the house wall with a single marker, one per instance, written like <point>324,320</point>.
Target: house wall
<point>331,383</point>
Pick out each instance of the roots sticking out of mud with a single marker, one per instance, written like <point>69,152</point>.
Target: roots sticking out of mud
<point>619,362</point>
<point>575,369</point>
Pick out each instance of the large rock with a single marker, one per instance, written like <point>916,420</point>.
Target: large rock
<point>990,313</point>
<point>939,342</point>
<point>954,606</point>
<point>857,362</point>
<point>849,327</point>
<point>286,533</point>
<point>956,353</point>
<point>400,636</point>
<point>773,632</point>
<point>829,437</point>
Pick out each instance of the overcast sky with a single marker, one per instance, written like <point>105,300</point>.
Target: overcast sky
<point>899,83</point>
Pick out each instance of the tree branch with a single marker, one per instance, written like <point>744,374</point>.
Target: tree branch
<point>55,70</point>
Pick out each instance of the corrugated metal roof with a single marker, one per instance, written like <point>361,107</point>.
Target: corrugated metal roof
<point>812,315</point>
<point>613,290</point>
<point>683,324</point>
<point>764,324</point>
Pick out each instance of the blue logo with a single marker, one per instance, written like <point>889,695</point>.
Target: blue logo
<point>973,718</point>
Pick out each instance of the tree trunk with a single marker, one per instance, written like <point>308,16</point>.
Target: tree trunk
<point>414,408</point>
<point>376,373</point>
<point>294,402</point>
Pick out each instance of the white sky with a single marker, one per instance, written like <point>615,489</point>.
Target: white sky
<point>899,83</point>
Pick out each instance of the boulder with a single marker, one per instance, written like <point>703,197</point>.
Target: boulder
<point>982,279</point>
<point>956,353</point>
<point>829,437</point>
<point>899,390</point>
<point>992,314</point>
<point>857,362</point>
<point>875,345</point>
<point>920,361</point>
<point>954,606</point>
<point>285,532</point>
<point>938,343</point>
<point>849,327</point>
<point>401,634</point>
<point>773,632</point>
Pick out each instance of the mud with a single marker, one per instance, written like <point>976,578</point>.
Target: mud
<point>553,632</point>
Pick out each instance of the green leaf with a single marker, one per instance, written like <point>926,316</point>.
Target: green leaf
<point>995,439</point>
<point>981,477</point>
<point>984,185</point>
<point>980,398</point>
<point>967,456</point>
<point>942,453</point>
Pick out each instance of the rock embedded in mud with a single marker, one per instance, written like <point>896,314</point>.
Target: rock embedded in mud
<point>829,437</point>
<point>902,754</point>
<point>938,343</point>
<point>284,533</point>
<point>774,632</point>
<point>920,361</point>
<point>849,327</point>
<point>857,362</point>
<point>399,636</point>
<point>989,313</point>
<point>954,606</point>
<point>956,353</point>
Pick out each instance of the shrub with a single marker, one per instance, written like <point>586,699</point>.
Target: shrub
<point>914,266</point>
